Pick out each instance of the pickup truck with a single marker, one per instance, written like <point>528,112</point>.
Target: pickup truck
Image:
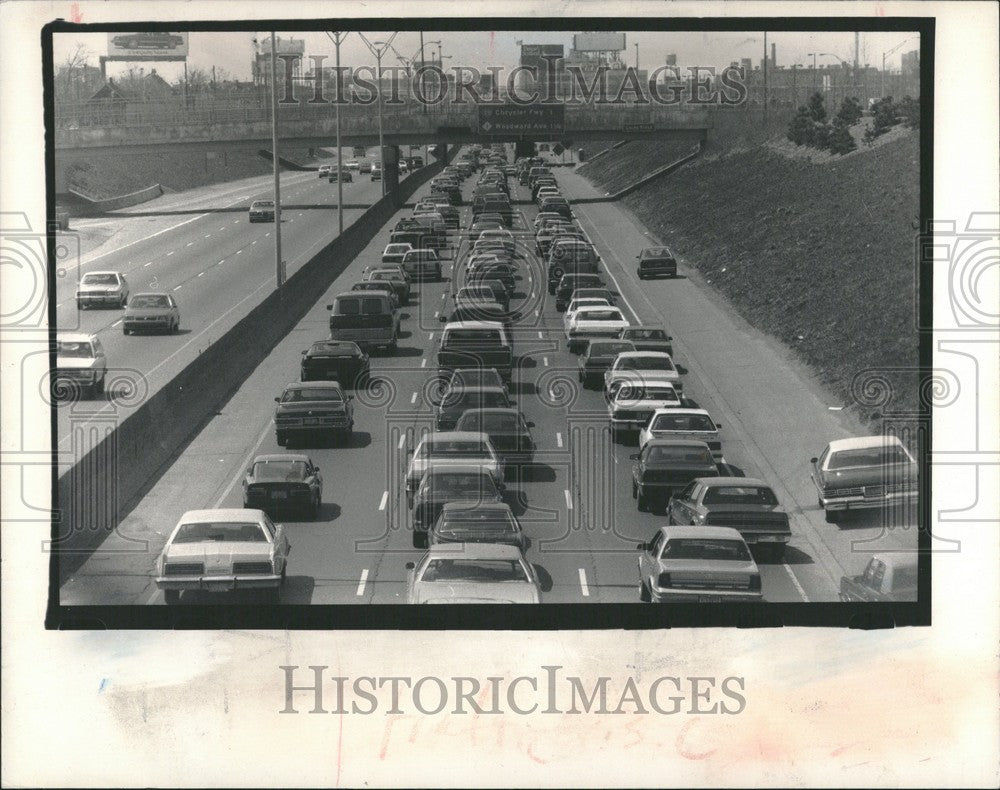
<point>482,344</point>
<point>888,578</point>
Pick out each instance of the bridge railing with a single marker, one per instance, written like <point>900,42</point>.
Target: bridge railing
<point>175,111</point>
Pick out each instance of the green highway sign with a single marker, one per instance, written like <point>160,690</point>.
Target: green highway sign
<point>507,119</point>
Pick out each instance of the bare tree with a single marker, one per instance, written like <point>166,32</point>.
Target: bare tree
<point>71,80</point>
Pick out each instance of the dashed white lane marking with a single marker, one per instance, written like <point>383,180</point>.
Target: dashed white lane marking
<point>147,264</point>
<point>223,227</point>
<point>116,323</point>
<point>254,241</point>
<point>569,499</point>
<point>208,235</point>
<point>385,498</point>
<point>363,582</point>
<point>189,244</point>
<point>795,581</point>
<point>413,398</point>
<point>583,583</point>
<point>202,274</point>
<point>430,336</point>
<point>402,442</point>
<point>178,287</point>
<point>545,361</point>
<point>170,253</point>
<point>541,335</point>
<point>423,362</point>
<point>437,313</point>
<point>559,442</point>
<point>238,252</point>
<point>537,313</point>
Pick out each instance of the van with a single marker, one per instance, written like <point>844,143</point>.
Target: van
<point>368,319</point>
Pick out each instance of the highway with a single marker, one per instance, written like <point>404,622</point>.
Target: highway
<point>575,506</point>
<point>202,249</point>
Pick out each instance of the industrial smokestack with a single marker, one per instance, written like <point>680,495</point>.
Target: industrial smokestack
<point>774,55</point>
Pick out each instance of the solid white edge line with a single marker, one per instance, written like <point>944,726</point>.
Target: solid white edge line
<point>795,581</point>
<point>385,498</point>
<point>363,582</point>
<point>583,583</point>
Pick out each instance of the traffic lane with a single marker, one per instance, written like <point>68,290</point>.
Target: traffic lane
<point>747,409</point>
<point>207,472</point>
<point>214,291</point>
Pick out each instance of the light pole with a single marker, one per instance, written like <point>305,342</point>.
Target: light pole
<point>795,91</point>
<point>889,52</point>
<point>337,38</point>
<point>813,56</point>
<point>636,55</point>
<point>844,62</point>
<point>378,48</point>
<point>278,266</point>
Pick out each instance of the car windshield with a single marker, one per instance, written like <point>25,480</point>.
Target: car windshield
<point>646,334</point>
<point>221,532</point>
<point>463,485</point>
<point>599,315</point>
<point>452,448</point>
<point>82,350</point>
<point>279,471</point>
<point>703,549</point>
<point>100,279</point>
<point>645,363</point>
<point>680,455</point>
<point>150,300</point>
<point>683,422</point>
<point>489,571</point>
<point>312,394</point>
<point>263,204</point>
<point>867,456</point>
<point>639,393</point>
<point>739,495</point>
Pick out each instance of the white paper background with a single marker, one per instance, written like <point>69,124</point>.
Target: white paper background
<point>915,706</point>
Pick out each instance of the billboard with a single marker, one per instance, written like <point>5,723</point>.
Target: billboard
<point>140,45</point>
<point>599,42</point>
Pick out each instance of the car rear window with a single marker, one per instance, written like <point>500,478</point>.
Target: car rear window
<point>220,532</point>
<point>703,549</point>
<point>311,394</point>
<point>490,571</point>
<point>279,471</point>
<point>100,279</point>
<point>868,456</point>
<point>486,336</point>
<point>690,455</point>
<point>646,363</point>
<point>739,495</point>
<point>683,422</point>
<point>66,348</point>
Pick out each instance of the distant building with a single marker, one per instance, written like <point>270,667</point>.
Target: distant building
<point>910,62</point>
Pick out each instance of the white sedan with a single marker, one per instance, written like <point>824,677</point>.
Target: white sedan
<point>591,322</point>
<point>223,550</point>
<point>639,366</point>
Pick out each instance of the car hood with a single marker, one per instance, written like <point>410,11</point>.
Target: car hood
<point>212,553</point>
<point>75,363</point>
<point>475,592</point>
<point>85,288</point>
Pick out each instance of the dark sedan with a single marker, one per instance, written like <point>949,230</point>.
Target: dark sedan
<point>656,262</point>
<point>743,503</point>
<point>461,522</point>
<point>335,360</point>
<point>570,283</point>
<point>458,401</point>
<point>450,483</point>
<point>509,432</point>
<point>285,482</point>
<point>598,357</point>
<point>664,466</point>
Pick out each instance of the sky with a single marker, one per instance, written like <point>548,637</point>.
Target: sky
<point>233,51</point>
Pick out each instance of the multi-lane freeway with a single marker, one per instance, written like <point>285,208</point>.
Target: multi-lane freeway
<point>201,248</point>
<point>575,504</point>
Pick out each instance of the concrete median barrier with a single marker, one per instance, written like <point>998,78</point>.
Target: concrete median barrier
<point>104,484</point>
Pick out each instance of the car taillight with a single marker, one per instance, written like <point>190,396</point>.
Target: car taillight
<point>755,583</point>
<point>663,580</point>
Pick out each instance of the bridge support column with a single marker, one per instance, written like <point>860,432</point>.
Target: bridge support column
<point>390,167</point>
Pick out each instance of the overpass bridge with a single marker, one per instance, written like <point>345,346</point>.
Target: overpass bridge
<point>94,129</point>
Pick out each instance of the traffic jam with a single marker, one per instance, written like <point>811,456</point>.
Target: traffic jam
<point>498,238</point>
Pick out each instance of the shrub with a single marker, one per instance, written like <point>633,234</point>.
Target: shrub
<point>800,130</point>
<point>850,111</point>
<point>909,110</point>
<point>821,136</point>
<point>841,141</point>
<point>816,109</point>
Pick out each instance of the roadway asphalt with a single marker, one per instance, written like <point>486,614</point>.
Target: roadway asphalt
<point>202,248</point>
<point>576,506</point>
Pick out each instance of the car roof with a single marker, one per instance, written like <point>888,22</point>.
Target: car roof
<point>475,551</point>
<point>682,412</point>
<point>717,533</point>
<point>151,293</point>
<point>465,506</point>
<point>223,514</point>
<point>649,383</point>
<point>103,271</point>
<point>280,457</point>
<point>511,410</point>
<point>647,354</point>
<point>474,325</point>
<point>733,481</point>
<point>644,327</point>
<point>456,436</point>
<point>865,442</point>
<point>314,385</point>
<point>664,442</point>
<point>355,293</point>
<point>74,337</point>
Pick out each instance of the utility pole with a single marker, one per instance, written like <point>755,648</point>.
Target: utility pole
<point>765,76</point>
<point>337,38</point>
<point>278,266</point>
<point>423,103</point>
<point>378,48</point>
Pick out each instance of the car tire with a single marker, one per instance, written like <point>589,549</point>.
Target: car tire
<point>644,594</point>
<point>98,387</point>
<point>126,330</point>
<point>642,501</point>
<point>281,440</point>
<point>171,597</point>
<point>832,516</point>
<point>81,305</point>
<point>123,302</point>
<point>420,539</point>
<point>175,328</point>
<point>317,507</point>
<point>635,490</point>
